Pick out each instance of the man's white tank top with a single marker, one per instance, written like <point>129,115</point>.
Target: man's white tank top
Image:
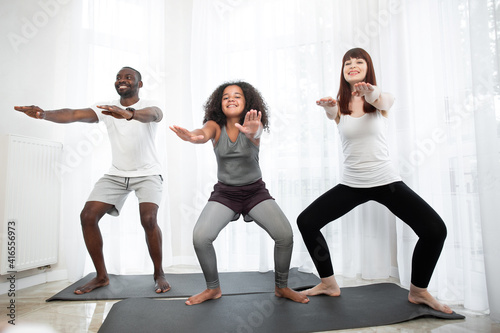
<point>366,156</point>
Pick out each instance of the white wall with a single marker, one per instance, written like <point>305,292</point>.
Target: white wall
<point>25,72</point>
<point>36,37</point>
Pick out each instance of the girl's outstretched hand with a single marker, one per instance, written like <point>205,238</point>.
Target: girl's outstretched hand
<point>327,101</point>
<point>362,89</point>
<point>186,135</point>
<point>252,126</point>
<point>330,106</point>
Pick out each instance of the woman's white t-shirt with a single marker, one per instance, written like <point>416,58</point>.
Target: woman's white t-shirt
<point>366,156</point>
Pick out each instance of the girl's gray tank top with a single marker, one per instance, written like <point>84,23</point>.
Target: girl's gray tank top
<point>238,162</point>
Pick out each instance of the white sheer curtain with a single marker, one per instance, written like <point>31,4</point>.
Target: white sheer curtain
<point>444,124</point>
<point>126,33</point>
<point>448,145</point>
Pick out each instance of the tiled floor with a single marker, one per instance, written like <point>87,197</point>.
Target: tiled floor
<point>75,317</point>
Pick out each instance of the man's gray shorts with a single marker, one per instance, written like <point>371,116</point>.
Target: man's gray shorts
<point>114,190</point>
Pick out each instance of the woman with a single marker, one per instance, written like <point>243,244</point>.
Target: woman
<point>234,126</point>
<point>361,111</point>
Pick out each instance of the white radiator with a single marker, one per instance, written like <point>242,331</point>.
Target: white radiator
<point>30,227</point>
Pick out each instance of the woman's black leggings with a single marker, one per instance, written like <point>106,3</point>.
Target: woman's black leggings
<point>400,199</point>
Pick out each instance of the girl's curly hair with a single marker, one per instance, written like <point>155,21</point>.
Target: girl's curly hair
<point>253,100</point>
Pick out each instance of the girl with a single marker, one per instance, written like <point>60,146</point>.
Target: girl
<point>235,116</point>
<point>360,112</point>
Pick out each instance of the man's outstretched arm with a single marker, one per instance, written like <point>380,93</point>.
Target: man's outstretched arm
<point>147,115</point>
<point>62,116</point>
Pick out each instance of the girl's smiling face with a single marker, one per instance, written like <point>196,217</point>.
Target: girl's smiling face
<point>233,101</point>
<point>355,70</point>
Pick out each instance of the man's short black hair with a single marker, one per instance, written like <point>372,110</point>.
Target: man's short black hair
<point>135,70</point>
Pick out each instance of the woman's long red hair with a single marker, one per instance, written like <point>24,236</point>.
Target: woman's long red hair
<point>344,95</point>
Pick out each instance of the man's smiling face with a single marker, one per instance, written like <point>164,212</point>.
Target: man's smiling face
<point>127,83</point>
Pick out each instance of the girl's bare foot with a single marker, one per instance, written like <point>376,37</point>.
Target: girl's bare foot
<point>327,286</point>
<point>205,295</point>
<point>291,294</point>
<point>422,296</point>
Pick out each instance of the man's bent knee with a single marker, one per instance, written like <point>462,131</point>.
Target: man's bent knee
<point>88,218</point>
<point>149,221</point>
<point>93,212</point>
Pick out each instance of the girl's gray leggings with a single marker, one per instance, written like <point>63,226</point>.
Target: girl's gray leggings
<point>267,214</point>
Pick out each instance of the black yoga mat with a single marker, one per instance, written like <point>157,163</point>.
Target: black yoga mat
<point>183,285</point>
<point>364,306</point>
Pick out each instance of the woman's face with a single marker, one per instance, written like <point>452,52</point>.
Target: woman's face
<point>233,101</point>
<point>355,70</point>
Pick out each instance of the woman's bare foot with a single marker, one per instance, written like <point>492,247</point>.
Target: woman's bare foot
<point>205,295</point>
<point>291,294</point>
<point>92,284</point>
<point>327,286</point>
<point>422,296</point>
<point>161,284</point>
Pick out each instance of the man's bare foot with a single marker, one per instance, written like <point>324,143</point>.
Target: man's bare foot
<point>291,294</point>
<point>328,286</point>
<point>205,295</point>
<point>91,285</point>
<point>161,284</point>
<point>422,296</point>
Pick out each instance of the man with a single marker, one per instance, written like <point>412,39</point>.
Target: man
<point>131,124</point>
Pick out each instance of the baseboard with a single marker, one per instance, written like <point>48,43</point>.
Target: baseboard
<point>395,272</point>
<point>30,281</point>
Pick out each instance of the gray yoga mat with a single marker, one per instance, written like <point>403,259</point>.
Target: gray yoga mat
<point>183,285</point>
<point>364,306</point>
